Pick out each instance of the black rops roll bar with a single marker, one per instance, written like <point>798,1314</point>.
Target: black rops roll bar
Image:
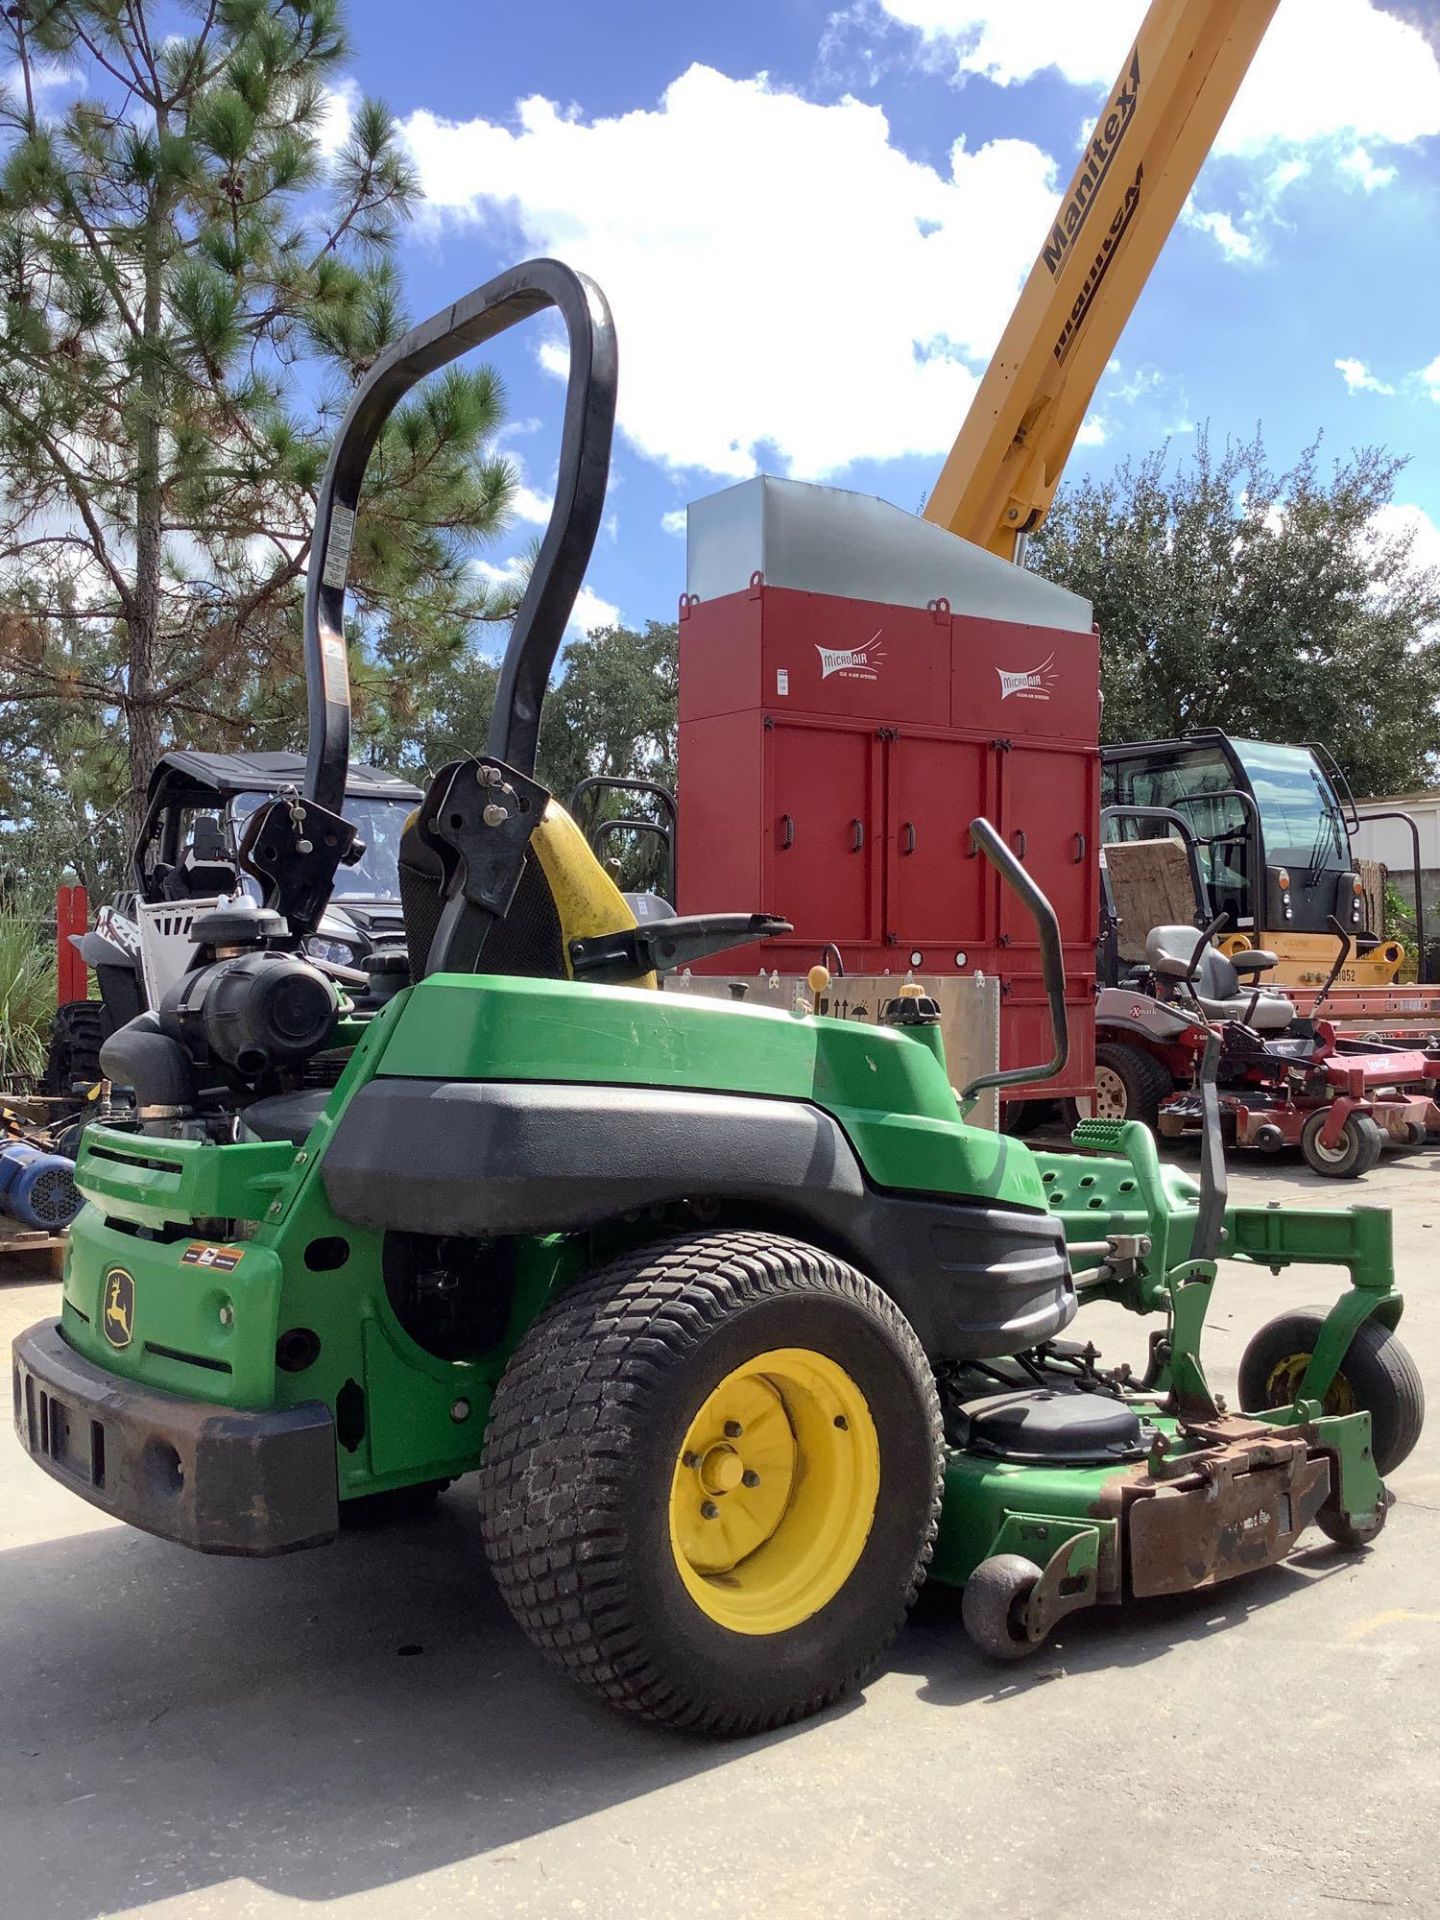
<point>569,537</point>
<point>1047,927</point>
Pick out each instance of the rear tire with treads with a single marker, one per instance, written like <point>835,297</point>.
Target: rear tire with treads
<point>602,1486</point>
<point>1133,1083</point>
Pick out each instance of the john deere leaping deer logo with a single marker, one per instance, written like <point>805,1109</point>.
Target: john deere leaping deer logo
<point>118,1314</point>
<point>1033,683</point>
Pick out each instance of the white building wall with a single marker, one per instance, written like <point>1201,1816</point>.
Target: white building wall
<point>1390,840</point>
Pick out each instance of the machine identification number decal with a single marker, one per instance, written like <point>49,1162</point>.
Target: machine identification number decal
<point>200,1254</point>
<point>117,1312</point>
<point>1033,683</point>
<point>853,663</point>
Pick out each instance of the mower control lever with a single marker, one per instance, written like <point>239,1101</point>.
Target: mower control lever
<point>1217,925</point>
<point>659,946</point>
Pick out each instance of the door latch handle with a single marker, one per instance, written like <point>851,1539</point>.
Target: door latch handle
<point>857,835</point>
<point>1081,843</point>
<point>787,830</point>
<point>1020,842</point>
<point>907,841</point>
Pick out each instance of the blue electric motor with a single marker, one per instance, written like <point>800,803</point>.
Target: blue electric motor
<point>38,1188</point>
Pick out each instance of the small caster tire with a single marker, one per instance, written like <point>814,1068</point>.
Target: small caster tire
<point>1358,1150</point>
<point>1350,1530</point>
<point>1377,1376</point>
<point>994,1596</point>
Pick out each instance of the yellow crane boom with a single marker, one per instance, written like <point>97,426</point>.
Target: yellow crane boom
<point>1148,145</point>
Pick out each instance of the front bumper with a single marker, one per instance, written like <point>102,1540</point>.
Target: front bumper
<point>221,1479</point>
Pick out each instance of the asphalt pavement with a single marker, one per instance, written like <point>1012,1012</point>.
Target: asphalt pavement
<point>360,1730</point>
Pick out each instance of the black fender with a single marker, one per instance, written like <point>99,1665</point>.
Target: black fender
<point>495,1159</point>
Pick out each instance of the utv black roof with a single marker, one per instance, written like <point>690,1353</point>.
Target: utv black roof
<point>229,773</point>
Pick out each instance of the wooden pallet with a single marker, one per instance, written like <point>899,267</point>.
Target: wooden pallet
<point>27,1254</point>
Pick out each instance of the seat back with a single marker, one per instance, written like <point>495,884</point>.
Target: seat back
<point>1170,951</point>
<point>564,894</point>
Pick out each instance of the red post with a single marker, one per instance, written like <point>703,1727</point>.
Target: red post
<point>72,914</point>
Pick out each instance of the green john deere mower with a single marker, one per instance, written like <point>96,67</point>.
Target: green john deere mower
<point>742,1324</point>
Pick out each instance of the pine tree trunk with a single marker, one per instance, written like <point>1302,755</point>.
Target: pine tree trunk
<point>142,706</point>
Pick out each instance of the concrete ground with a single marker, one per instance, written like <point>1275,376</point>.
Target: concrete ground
<point>361,1729</point>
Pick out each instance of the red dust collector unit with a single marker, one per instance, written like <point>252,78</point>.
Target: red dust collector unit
<point>856,685</point>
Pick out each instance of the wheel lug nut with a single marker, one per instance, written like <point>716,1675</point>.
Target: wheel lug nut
<point>749,1478</point>
<point>689,1459</point>
<point>733,1429</point>
<point>709,1511</point>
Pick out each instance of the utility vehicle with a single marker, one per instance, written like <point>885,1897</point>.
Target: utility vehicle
<point>743,1325</point>
<point>198,807</point>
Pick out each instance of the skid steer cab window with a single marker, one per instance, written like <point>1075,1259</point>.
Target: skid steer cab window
<point>376,876</point>
<point>1299,813</point>
<point>1192,785</point>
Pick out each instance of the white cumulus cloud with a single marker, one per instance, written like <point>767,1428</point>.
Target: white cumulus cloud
<point>589,612</point>
<point>1429,378</point>
<point>337,115</point>
<point>1402,517</point>
<point>592,612</point>
<point>783,276</point>
<point>1326,68</point>
<point>1359,379</point>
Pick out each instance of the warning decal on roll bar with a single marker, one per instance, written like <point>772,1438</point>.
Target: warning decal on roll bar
<point>337,547</point>
<point>336,666</point>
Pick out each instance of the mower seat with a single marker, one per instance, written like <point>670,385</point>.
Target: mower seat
<point>205,870</point>
<point>1216,984</point>
<point>564,894</point>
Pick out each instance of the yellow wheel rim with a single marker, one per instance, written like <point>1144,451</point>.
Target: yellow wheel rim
<point>774,1491</point>
<point>1283,1384</point>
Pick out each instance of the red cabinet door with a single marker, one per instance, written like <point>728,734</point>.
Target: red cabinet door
<point>1049,814</point>
<point>935,892</point>
<point>824,847</point>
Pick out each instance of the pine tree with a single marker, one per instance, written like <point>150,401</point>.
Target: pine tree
<point>190,284</point>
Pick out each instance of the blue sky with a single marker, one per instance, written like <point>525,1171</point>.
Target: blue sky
<point>812,223</point>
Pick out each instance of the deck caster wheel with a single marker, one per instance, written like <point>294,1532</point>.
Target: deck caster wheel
<point>1377,1376</point>
<point>681,1489</point>
<point>995,1595</point>
<point>1357,1150</point>
<point>1354,1531</point>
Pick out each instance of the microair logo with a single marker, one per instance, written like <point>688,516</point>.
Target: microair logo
<point>1099,157</point>
<point>853,663</point>
<point>1035,684</point>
